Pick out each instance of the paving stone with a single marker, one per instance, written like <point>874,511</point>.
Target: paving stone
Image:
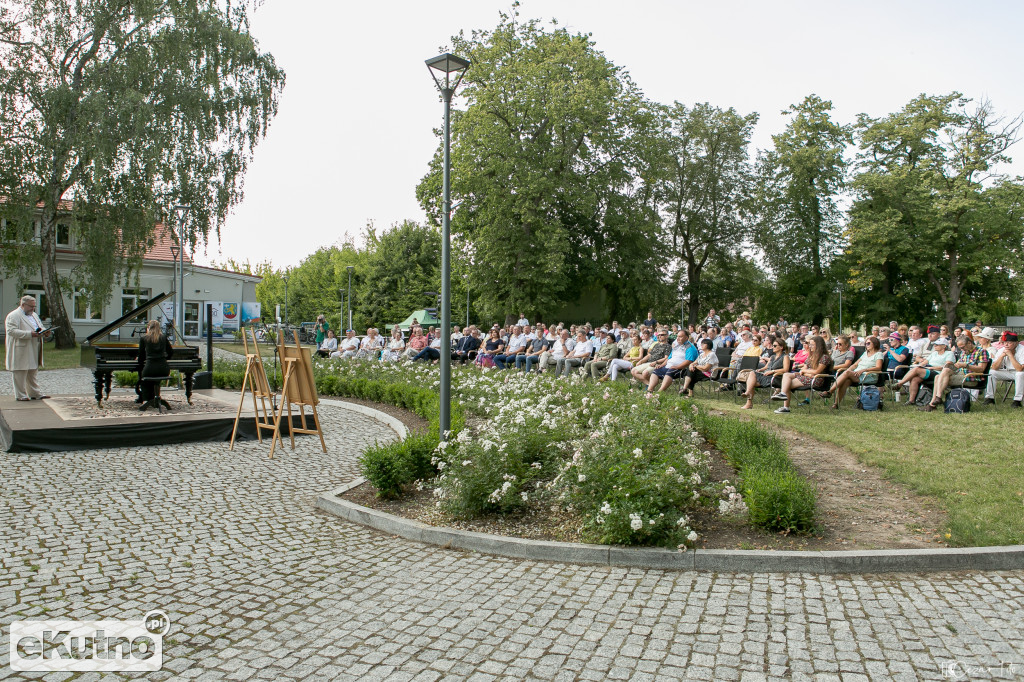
<point>258,584</point>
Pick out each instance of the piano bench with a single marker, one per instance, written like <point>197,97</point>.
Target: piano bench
<point>157,402</point>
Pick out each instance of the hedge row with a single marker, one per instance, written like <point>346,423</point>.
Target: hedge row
<point>779,498</point>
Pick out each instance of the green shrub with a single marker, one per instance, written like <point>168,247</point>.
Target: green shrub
<point>381,465</point>
<point>778,497</point>
<point>779,501</point>
<point>126,379</point>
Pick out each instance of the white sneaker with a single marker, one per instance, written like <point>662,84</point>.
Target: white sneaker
<point>782,410</point>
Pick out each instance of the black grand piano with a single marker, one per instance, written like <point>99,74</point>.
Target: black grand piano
<point>104,356</point>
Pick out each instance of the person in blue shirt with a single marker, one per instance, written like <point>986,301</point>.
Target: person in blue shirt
<point>897,354</point>
<point>682,356</point>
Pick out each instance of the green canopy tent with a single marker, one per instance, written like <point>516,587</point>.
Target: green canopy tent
<point>424,317</point>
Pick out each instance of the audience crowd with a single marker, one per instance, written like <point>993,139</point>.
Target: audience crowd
<point>736,356</point>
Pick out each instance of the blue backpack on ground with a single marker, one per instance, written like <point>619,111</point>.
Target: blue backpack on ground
<point>870,399</point>
<point>959,401</point>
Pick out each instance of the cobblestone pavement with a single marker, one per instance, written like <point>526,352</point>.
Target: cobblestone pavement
<point>259,585</point>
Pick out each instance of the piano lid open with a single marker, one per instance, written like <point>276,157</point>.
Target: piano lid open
<point>121,321</point>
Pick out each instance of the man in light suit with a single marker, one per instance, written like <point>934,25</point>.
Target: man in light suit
<point>25,349</point>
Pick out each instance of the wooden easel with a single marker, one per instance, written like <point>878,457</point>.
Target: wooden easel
<point>299,388</point>
<point>255,381</point>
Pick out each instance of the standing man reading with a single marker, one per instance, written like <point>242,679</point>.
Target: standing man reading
<point>25,349</point>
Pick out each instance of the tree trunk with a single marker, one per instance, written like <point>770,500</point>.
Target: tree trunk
<point>64,335</point>
<point>693,284</point>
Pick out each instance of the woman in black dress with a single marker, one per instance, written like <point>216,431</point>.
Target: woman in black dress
<point>155,350</point>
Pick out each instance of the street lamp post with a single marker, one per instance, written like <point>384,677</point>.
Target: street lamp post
<point>180,214</point>
<point>840,289</point>
<point>350,268</point>
<point>453,69</point>
<point>286,300</point>
<point>341,313</point>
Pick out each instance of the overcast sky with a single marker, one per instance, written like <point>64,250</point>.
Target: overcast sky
<point>354,132</point>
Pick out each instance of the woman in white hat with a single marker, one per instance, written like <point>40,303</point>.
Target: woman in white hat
<point>940,357</point>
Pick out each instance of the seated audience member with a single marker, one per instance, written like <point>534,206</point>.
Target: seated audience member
<point>348,347</point>
<point>654,358</point>
<point>628,361</point>
<point>560,348</point>
<point>826,337</point>
<point>928,367</point>
<point>865,372</point>
<point>493,346</point>
<point>842,354</point>
<point>534,350</point>
<point>854,338</point>
<point>457,335</point>
<point>579,354</point>
<point>933,335</point>
<point>701,368</point>
<point>971,359</point>
<point>778,364</point>
<point>1007,365</point>
<point>883,338</point>
<point>516,344</point>
<point>433,350</point>
<point>897,355</point>
<point>466,347</point>
<point>606,352</point>
<point>680,358</point>
<point>417,342</point>
<point>984,339</point>
<point>329,345</point>
<point>814,375</point>
<point>916,342</point>
<point>371,345</point>
<point>395,347</point>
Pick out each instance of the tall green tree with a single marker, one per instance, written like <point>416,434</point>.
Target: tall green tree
<point>800,182</point>
<point>934,219</point>
<point>126,108</point>
<point>703,188</point>
<point>547,175</point>
<point>402,263</point>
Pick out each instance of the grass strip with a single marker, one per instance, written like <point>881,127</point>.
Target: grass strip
<point>779,498</point>
<point>969,463</point>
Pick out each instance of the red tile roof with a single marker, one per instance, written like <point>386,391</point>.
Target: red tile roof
<point>165,246</point>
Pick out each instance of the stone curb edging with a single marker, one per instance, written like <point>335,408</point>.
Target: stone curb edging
<point>723,560</point>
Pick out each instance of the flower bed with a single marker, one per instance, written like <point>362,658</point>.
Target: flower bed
<point>631,466</point>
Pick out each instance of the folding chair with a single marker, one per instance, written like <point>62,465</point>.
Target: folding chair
<point>728,379</point>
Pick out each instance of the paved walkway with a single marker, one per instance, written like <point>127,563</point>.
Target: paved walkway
<point>259,585</point>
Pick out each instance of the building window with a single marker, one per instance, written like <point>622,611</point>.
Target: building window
<point>82,309</point>
<point>132,299</point>
<point>63,235</point>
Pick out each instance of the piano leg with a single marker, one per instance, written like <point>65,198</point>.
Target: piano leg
<point>98,385</point>
<point>107,376</point>
<point>188,387</point>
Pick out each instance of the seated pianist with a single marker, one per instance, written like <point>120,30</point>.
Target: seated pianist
<point>154,351</point>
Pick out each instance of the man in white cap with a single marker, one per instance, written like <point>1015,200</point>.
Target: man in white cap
<point>25,349</point>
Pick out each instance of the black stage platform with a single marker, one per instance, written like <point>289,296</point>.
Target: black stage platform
<point>75,423</point>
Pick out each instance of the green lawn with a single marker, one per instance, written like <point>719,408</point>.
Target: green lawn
<point>56,359</point>
<point>972,463</point>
